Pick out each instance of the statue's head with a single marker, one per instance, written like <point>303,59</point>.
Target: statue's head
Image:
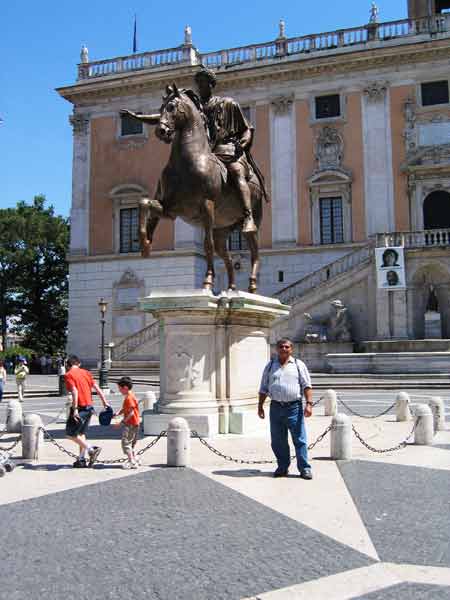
<point>205,80</point>
<point>337,304</point>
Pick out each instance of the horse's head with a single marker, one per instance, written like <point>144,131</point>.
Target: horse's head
<point>176,111</point>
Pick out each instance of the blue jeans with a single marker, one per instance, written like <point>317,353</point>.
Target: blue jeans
<point>284,419</point>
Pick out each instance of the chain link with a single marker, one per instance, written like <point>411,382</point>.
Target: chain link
<point>242,461</point>
<point>384,450</point>
<point>317,401</point>
<point>105,462</point>
<point>353,412</point>
<point>12,446</point>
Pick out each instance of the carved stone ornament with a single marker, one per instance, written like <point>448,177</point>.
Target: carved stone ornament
<point>80,124</point>
<point>329,149</point>
<point>282,105</point>
<point>429,156</point>
<point>409,133</point>
<point>132,144</point>
<point>376,91</point>
<point>129,277</point>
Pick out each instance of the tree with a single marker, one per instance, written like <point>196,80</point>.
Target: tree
<point>34,275</point>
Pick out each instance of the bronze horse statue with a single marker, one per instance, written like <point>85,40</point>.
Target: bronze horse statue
<point>194,186</point>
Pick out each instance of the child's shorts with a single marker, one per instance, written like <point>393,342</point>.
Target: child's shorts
<point>129,437</point>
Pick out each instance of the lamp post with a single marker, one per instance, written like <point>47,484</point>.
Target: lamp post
<point>103,370</point>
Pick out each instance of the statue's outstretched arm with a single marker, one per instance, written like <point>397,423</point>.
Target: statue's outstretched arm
<point>150,119</point>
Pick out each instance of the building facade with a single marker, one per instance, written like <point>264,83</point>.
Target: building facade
<point>352,135</point>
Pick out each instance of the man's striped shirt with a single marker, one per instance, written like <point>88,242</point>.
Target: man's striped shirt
<point>285,383</point>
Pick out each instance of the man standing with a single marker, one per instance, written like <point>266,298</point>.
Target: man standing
<point>231,138</point>
<point>79,384</point>
<point>286,380</point>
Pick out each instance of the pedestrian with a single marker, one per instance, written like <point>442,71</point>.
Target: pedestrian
<point>130,422</point>
<point>21,372</point>
<point>2,379</point>
<point>79,384</point>
<point>43,362</point>
<point>286,381</point>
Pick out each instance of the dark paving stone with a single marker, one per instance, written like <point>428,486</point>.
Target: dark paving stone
<point>409,591</point>
<point>163,534</point>
<point>405,509</point>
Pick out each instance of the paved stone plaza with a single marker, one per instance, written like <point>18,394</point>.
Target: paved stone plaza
<point>373,528</point>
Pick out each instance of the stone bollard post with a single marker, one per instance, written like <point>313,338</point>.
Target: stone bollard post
<point>31,436</point>
<point>402,403</point>
<point>341,437</point>
<point>437,408</point>
<point>330,400</point>
<point>14,417</point>
<point>178,443</point>
<point>149,399</point>
<point>423,435</point>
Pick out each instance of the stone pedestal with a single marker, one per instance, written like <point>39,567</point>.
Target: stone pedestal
<point>433,325</point>
<point>315,355</point>
<point>213,351</point>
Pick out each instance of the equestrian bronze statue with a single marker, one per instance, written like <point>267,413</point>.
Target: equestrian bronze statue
<point>211,179</point>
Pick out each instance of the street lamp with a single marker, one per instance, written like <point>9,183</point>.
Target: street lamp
<point>102,304</point>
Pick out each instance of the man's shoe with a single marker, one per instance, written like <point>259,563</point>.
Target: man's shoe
<point>93,455</point>
<point>306,474</point>
<point>249,225</point>
<point>280,473</point>
<point>80,463</point>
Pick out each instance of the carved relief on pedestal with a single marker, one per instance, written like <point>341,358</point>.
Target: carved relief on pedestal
<point>375,91</point>
<point>187,371</point>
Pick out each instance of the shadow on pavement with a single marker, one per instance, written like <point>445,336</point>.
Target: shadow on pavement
<point>245,473</point>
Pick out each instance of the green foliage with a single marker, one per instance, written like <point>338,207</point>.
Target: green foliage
<point>16,351</point>
<point>34,275</point>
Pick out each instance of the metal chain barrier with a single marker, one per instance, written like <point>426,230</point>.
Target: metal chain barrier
<point>317,401</point>
<point>105,462</point>
<point>384,450</point>
<point>12,446</point>
<point>242,461</point>
<point>353,412</point>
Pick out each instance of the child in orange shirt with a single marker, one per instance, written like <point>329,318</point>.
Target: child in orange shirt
<point>130,422</point>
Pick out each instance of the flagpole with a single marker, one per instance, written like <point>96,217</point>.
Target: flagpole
<point>135,35</point>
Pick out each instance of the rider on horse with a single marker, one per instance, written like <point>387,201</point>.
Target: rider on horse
<point>231,137</point>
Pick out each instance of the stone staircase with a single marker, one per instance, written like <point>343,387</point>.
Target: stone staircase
<point>127,346</point>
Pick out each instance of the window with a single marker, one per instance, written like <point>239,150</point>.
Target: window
<point>331,222</point>
<point>442,6</point>
<point>130,126</point>
<point>435,92</point>
<point>129,230</point>
<point>328,106</point>
<point>280,276</point>
<point>236,241</point>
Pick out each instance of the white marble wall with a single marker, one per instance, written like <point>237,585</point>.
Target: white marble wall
<point>378,170</point>
<point>283,172</point>
<point>187,236</point>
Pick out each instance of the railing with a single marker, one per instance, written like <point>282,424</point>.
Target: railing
<point>358,257</point>
<point>277,49</point>
<point>414,239</point>
<point>135,340</point>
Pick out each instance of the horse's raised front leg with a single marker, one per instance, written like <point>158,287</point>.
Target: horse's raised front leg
<point>220,243</point>
<point>208,222</point>
<point>150,212</point>
<point>252,241</point>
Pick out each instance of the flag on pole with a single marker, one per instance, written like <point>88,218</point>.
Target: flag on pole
<point>135,36</point>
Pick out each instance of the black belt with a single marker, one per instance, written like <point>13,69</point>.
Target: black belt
<point>287,403</point>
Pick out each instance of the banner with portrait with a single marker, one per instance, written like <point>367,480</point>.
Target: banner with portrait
<point>390,262</point>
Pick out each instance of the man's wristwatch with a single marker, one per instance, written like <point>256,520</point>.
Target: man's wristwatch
<point>310,403</point>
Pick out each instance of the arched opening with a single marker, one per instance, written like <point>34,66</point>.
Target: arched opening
<point>430,289</point>
<point>436,210</point>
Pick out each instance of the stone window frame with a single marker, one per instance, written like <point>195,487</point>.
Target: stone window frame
<point>331,184</point>
<point>423,109</point>
<point>342,118</point>
<point>133,136</point>
<point>124,196</point>
<point>420,188</point>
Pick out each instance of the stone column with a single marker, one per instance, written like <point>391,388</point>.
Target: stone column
<point>283,165</point>
<point>378,172</point>
<point>79,214</point>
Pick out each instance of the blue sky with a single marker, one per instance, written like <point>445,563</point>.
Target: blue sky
<point>41,45</point>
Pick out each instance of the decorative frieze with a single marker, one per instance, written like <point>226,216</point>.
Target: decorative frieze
<point>376,91</point>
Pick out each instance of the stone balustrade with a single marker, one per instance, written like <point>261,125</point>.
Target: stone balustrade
<point>358,257</point>
<point>277,49</point>
<point>135,340</point>
<point>414,239</point>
